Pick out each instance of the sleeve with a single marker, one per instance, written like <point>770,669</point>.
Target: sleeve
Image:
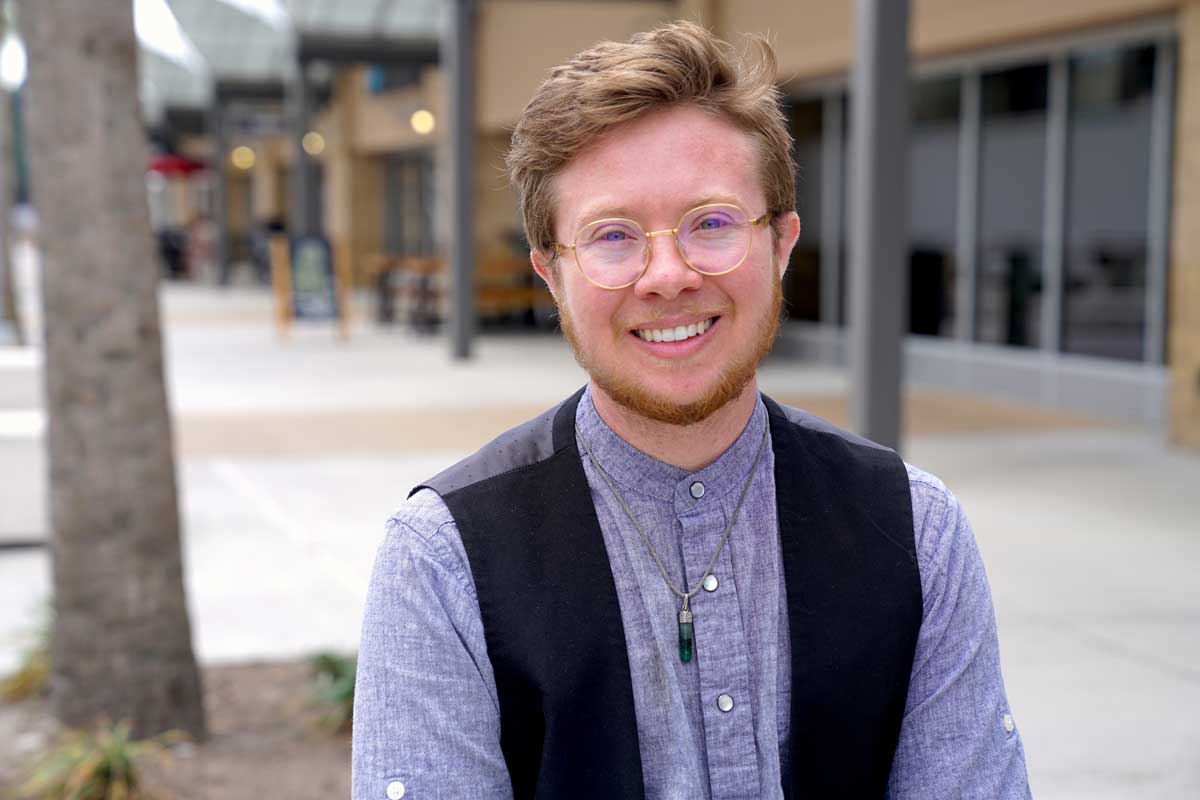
<point>426,714</point>
<point>958,738</point>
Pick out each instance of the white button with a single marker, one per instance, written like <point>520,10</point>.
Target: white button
<point>725,703</point>
<point>710,583</point>
<point>1009,725</point>
<point>395,790</point>
<point>697,490</point>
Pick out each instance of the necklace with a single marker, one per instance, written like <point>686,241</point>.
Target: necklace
<point>687,635</point>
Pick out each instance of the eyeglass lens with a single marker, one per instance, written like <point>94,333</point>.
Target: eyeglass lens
<point>712,239</point>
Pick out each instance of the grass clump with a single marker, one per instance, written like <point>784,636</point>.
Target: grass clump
<point>102,764</point>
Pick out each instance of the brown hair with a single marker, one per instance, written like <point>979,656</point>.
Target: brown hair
<point>614,82</point>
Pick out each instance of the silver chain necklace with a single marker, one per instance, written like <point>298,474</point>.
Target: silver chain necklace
<point>687,636</point>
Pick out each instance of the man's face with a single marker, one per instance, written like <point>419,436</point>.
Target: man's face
<point>653,170</point>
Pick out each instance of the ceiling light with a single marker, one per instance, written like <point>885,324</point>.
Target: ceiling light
<point>422,121</point>
<point>242,157</point>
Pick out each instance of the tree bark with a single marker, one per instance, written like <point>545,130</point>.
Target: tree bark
<point>121,645</point>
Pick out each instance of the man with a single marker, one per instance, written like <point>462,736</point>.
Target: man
<point>670,586</point>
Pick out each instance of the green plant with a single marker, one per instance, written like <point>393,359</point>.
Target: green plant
<point>93,765</point>
<point>32,675</point>
<point>335,688</point>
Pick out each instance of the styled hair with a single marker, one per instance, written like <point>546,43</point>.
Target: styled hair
<point>613,83</point>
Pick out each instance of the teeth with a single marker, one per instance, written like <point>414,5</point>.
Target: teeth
<point>676,334</point>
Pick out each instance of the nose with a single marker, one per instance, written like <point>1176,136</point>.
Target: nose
<point>667,275</point>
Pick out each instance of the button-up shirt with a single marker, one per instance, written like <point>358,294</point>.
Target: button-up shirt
<point>426,709</point>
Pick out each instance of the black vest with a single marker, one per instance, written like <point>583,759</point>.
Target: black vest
<point>553,623</point>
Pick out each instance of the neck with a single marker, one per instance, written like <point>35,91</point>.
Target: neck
<point>689,447</point>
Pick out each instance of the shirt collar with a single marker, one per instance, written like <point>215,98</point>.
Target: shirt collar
<point>635,471</point>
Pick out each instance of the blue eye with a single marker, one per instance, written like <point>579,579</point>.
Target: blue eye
<point>613,236</point>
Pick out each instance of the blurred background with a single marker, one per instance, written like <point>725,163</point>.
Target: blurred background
<point>1052,362</point>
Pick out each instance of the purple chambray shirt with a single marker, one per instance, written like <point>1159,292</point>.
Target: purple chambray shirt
<point>426,714</point>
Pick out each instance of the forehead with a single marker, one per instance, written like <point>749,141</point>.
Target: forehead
<point>658,166</point>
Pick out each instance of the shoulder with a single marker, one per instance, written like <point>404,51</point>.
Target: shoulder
<point>527,444</point>
<point>803,421</point>
<point>422,533</point>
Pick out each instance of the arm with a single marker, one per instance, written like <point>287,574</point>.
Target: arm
<point>958,738</point>
<point>425,708</point>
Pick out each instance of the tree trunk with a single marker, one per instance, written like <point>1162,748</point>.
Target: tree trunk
<point>121,646</point>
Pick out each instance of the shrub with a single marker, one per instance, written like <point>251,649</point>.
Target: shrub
<point>93,765</point>
<point>335,689</point>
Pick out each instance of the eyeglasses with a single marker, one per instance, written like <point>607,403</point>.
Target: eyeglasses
<point>712,239</point>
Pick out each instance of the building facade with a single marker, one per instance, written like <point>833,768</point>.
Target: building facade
<point>1054,163</point>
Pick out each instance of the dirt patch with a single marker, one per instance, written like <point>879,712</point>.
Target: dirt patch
<point>264,741</point>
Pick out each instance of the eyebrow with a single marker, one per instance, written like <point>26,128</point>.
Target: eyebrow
<point>593,214</point>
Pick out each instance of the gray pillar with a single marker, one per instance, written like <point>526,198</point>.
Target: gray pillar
<point>878,221</point>
<point>301,217</point>
<point>220,190</point>
<point>1159,210</point>
<point>1054,220</point>
<point>967,223</point>
<point>459,54</point>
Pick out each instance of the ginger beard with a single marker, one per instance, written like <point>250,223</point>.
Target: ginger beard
<point>732,381</point>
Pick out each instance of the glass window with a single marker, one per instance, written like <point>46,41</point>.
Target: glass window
<point>802,283</point>
<point>933,205</point>
<point>1108,168</point>
<point>1011,172</point>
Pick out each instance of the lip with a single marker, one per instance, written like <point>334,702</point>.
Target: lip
<point>676,349</point>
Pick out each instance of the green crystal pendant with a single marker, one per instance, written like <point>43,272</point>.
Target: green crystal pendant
<point>687,636</point>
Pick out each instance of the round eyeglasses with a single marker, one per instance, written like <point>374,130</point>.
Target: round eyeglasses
<point>712,239</point>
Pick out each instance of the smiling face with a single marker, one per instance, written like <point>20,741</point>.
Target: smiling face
<point>674,346</point>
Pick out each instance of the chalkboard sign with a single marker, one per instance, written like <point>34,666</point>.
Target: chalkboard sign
<point>314,287</point>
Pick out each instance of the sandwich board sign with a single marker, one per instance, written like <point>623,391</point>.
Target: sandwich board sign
<point>310,282</point>
<point>314,287</point>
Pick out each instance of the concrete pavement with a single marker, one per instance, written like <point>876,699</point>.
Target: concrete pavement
<point>292,454</point>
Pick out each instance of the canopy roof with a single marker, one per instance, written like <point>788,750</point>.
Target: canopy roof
<point>188,45</point>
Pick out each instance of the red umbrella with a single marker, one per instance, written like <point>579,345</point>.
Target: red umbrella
<point>172,165</point>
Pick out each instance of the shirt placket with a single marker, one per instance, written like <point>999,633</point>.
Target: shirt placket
<point>722,656</point>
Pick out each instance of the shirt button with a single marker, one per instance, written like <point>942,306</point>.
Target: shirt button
<point>710,583</point>
<point>725,703</point>
<point>1009,725</point>
<point>697,489</point>
<point>395,790</point>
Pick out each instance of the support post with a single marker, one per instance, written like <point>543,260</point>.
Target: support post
<point>879,194</point>
<point>302,219</point>
<point>220,190</point>
<point>460,65</point>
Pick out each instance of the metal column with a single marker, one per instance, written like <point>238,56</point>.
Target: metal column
<point>459,51</point>
<point>1159,228</point>
<point>967,233</point>
<point>220,189</point>
<point>1055,188</point>
<point>879,195</point>
<point>302,206</point>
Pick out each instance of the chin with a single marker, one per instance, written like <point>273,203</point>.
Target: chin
<point>670,409</point>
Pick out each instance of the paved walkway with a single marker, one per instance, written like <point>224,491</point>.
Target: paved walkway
<point>292,454</point>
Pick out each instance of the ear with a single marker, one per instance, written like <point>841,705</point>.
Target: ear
<point>545,270</point>
<point>788,231</point>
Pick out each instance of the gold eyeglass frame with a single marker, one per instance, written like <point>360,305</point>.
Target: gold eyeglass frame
<point>561,249</point>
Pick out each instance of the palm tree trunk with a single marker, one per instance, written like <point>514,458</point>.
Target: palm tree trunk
<point>121,646</point>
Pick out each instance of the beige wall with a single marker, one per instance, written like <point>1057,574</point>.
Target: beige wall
<point>1184,295</point>
<point>813,37</point>
<point>520,40</point>
<point>382,122</point>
